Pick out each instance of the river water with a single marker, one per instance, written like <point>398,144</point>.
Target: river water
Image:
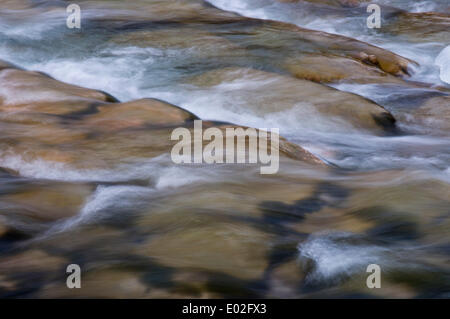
<point>140,226</point>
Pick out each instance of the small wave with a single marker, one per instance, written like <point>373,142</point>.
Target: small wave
<point>335,256</point>
<point>39,168</point>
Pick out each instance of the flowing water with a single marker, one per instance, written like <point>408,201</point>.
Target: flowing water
<point>141,226</point>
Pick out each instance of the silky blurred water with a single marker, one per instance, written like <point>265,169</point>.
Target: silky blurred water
<point>150,228</point>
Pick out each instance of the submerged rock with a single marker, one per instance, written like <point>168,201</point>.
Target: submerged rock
<point>434,113</point>
<point>217,246</point>
<point>419,26</point>
<point>200,41</point>
<point>44,201</point>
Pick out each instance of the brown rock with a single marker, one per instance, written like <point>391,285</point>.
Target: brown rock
<point>32,261</point>
<point>36,92</point>
<point>106,283</point>
<point>140,12</point>
<point>137,113</point>
<point>7,284</point>
<point>47,201</point>
<point>221,248</point>
<point>342,46</point>
<point>282,42</point>
<point>329,69</point>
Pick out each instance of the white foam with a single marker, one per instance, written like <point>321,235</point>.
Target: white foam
<point>125,199</point>
<point>114,197</point>
<point>105,201</point>
<point>423,6</point>
<point>443,62</point>
<point>251,8</point>
<point>177,176</point>
<point>97,72</point>
<point>334,259</point>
